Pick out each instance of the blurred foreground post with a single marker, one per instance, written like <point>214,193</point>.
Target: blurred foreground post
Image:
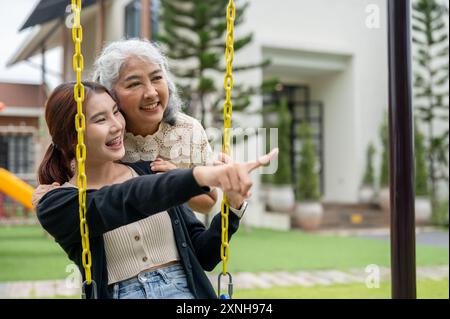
<point>401,152</point>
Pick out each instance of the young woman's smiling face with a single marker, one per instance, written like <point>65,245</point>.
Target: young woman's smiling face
<point>105,127</point>
<point>143,95</point>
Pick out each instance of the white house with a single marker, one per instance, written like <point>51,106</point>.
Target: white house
<point>328,54</point>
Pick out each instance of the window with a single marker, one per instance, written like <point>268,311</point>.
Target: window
<point>155,18</point>
<point>302,109</point>
<point>133,18</point>
<point>17,153</point>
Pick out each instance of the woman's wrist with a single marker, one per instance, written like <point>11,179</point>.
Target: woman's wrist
<point>236,204</point>
<point>198,174</point>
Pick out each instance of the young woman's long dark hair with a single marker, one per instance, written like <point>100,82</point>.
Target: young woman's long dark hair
<point>60,110</point>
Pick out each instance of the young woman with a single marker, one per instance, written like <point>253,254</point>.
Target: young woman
<point>144,242</point>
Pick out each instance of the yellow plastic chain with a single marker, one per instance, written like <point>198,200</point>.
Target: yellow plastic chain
<point>78,91</point>
<point>227,112</point>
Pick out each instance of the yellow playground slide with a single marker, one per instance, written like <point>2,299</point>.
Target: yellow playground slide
<point>15,188</point>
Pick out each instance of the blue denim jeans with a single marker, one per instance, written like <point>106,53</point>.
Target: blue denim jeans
<point>164,283</point>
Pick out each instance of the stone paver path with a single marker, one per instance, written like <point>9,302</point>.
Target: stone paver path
<point>243,280</point>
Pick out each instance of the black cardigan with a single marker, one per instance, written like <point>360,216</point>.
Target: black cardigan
<point>117,205</point>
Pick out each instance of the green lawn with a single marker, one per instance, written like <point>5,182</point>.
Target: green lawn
<point>426,289</point>
<point>261,250</point>
<point>27,254</point>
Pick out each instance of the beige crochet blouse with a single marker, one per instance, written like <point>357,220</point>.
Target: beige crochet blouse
<point>185,144</point>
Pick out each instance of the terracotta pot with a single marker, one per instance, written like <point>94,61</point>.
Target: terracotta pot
<point>422,210</point>
<point>366,194</point>
<point>308,215</point>
<point>280,198</point>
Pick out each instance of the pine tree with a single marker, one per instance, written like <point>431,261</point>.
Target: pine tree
<point>283,175</point>
<point>430,38</point>
<point>194,33</point>
<point>420,163</point>
<point>267,178</point>
<point>308,178</point>
<point>384,136</point>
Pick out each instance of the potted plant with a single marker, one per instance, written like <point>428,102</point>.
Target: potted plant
<point>422,200</point>
<point>367,190</point>
<point>280,196</point>
<point>266,179</point>
<point>308,211</point>
<point>384,195</point>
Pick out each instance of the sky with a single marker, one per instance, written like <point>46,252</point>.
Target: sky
<point>12,16</point>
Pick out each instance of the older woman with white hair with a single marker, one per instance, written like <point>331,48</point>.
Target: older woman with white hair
<point>136,73</point>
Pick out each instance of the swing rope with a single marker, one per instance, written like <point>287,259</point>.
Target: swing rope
<point>78,93</point>
<point>227,113</point>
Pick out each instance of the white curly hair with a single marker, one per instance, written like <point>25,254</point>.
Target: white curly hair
<point>114,55</point>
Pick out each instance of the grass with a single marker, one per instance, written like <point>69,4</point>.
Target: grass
<point>262,250</point>
<point>27,254</point>
<point>426,289</point>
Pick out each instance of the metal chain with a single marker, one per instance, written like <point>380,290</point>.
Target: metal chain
<point>78,91</point>
<point>227,112</point>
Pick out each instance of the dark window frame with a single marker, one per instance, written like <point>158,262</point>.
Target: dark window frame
<point>17,153</point>
<point>302,108</point>
<point>133,19</point>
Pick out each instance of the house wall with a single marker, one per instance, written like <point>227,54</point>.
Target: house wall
<point>354,98</point>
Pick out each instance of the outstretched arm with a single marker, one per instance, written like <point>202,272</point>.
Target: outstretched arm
<point>116,205</point>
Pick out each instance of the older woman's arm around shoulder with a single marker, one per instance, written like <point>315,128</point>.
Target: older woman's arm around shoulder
<point>203,203</point>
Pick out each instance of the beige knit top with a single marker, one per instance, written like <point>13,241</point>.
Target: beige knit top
<point>185,144</point>
<point>138,246</point>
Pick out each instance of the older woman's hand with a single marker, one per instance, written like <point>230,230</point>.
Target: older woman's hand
<point>40,191</point>
<point>161,166</point>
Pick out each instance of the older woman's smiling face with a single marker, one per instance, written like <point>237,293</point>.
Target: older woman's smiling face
<point>143,95</point>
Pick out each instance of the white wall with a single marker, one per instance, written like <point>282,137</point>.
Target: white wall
<point>115,22</point>
<point>354,98</point>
